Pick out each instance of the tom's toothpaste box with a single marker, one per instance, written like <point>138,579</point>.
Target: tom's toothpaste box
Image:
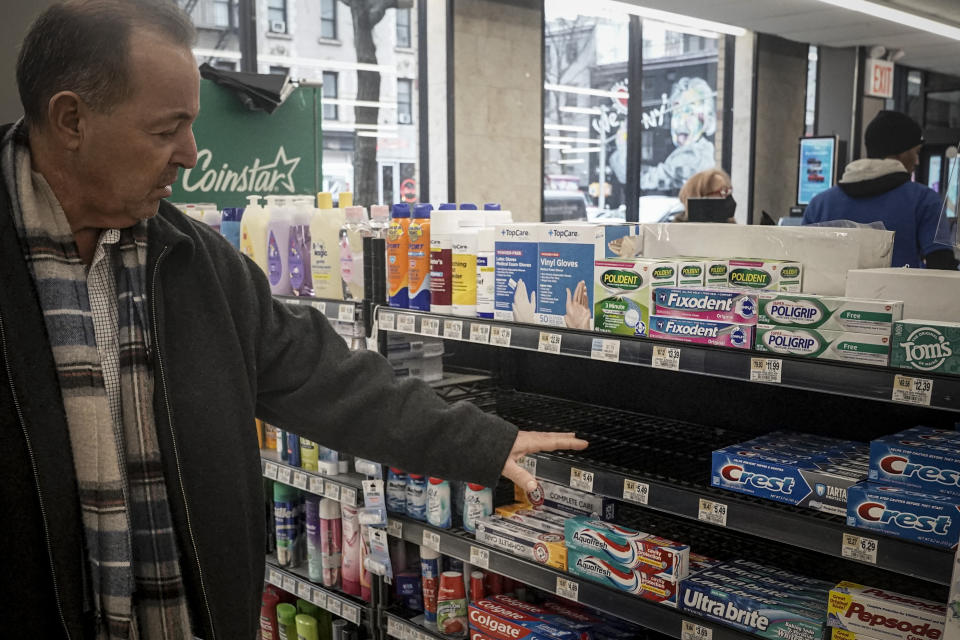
<point>926,346</point>
<point>520,540</point>
<point>505,623</point>
<point>884,615</point>
<point>932,519</point>
<point>853,315</point>
<point>723,334</point>
<point>649,587</point>
<point>719,305</point>
<point>757,274</point>
<point>861,348</point>
<point>916,464</point>
<point>630,548</point>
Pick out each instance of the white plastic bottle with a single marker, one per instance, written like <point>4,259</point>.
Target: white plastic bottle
<point>278,245</point>
<point>325,226</point>
<point>486,243</point>
<point>464,272</point>
<point>352,233</point>
<point>211,216</point>
<point>253,232</point>
<point>379,220</point>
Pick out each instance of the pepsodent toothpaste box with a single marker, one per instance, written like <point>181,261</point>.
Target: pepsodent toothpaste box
<point>884,615</point>
<point>505,623</point>
<point>565,274</point>
<point>649,587</point>
<point>861,348</point>
<point>515,538</point>
<point>926,346</point>
<point>719,305</point>
<point>852,315</point>
<point>622,293</point>
<point>516,262</point>
<point>927,518</point>
<point>574,502</point>
<point>630,548</point>
<point>759,274</point>
<point>915,464</point>
<point>723,334</point>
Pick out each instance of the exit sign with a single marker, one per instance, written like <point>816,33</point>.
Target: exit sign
<point>879,79</point>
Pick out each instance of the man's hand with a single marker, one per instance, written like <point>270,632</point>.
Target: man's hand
<point>532,442</point>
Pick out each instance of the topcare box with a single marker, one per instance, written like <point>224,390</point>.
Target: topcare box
<point>516,262</point>
<point>884,615</point>
<point>622,293</point>
<point>758,274</point>
<point>926,346</point>
<point>565,274</point>
<point>833,313</point>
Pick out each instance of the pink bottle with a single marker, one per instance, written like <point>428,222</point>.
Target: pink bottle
<point>365,592</point>
<point>331,536</point>
<point>350,564</point>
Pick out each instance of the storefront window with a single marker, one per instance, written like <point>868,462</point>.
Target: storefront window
<point>217,37</point>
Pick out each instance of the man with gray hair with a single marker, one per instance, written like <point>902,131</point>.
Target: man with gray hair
<point>137,346</point>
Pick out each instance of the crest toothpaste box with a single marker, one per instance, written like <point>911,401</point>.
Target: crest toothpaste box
<point>723,334</point>
<point>565,274</point>
<point>852,315</point>
<point>926,518</point>
<point>772,275</point>
<point>724,305</point>
<point>926,346</point>
<point>505,623</point>
<point>915,464</point>
<point>649,587</point>
<point>515,271</point>
<point>884,615</point>
<point>515,538</point>
<point>861,348</point>
<point>630,548</point>
<point>563,499</point>
<point>622,293</point>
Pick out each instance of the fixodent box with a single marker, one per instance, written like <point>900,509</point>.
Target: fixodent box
<point>829,312</point>
<point>571,501</point>
<point>884,614</point>
<point>758,274</point>
<point>630,548</point>
<point>582,629</point>
<point>723,334</point>
<point>520,540</point>
<point>506,623</point>
<point>718,305</point>
<point>565,274</point>
<point>927,518</point>
<point>622,293</point>
<point>915,464</point>
<point>926,346</point>
<point>650,587</point>
<point>749,612</point>
<point>862,348</point>
<point>515,271</point>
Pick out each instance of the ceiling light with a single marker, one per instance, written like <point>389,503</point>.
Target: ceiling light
<point>347,102</point>
<point>555,146</point>
<point>572,161</point>
<point>566,127</point>
<point>584,91</point>
<point>885,12</point>
<point>570,139</point>
<point>590,111</point>
<point>582,150</point>
<point>877,51</point>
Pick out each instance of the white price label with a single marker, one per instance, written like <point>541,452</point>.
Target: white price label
<point>480,333</point>
<point>431,540</point>
<point>500,336</point>
<point>346,313</point>
<point>693,631</point>
<point>420,635</point>
<point>568,589</point>
<point>289,584</point>
<point>549,342</point>
<point>453,329</point>
<point>666,358</point>
<point>319,598</point>
<point>430,327</point>
<point>395,628</point>
<point>406,323</point>
<point>580,479</point>
<point>766,370</point>
<point>319,306</point>
<point>334,606</point>
<point>303,590</point>
<point>633,491</point>
<point>387,321</point>
<point>712,512</point>
<point>331,491</point>
<point>409,633</point>
<point>603,349</point>
<point>300,480</point>
<point>480,557</point>
<point>529,463</point>
<point>270,470</point>
<point>316,486</point>
<point>275,578</point>
<point>348,496</point>
<point>395,528</point>
<point>285,475</point>
<point>859,548</point>
<point>351,613</point>
<point>912,390</point>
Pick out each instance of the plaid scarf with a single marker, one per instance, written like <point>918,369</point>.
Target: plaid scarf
<point>132,552</point>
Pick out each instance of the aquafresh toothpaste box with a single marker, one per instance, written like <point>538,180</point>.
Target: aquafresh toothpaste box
<point>516,263</point>
<point>884,615</point>
<point>760,274</point>
<point>629,548</point>
<point>853,315</point>
<point>928,518</point>
<point>520,540</point>
<point>718,305</point>
<point>914,463</point>
<point>505,623</point>
<point>649,587</point>
<point>862,348</point>
<point>622,293</point>
<point>722,334</point>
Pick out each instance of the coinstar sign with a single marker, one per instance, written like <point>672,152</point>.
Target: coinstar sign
<point>242,152</point>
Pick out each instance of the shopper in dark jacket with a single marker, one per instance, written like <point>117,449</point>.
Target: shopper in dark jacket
<point>878,189</point>
<point>110,90</point>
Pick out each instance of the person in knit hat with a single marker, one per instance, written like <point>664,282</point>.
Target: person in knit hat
<point>878,188</point>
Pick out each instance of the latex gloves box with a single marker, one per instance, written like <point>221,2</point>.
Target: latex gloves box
<point>927,518</point>
<point>884,615</point>
<point>927,294</point>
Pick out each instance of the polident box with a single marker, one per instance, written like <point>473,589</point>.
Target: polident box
<point>520,540</point>
<point>629,548</point>
<point>565,499</point>
<point>622,293</point>
<point>505,623</point>
<point>739,307</point>
<point>832,313</point>
<point>722,334</point>
<point>926,346</point>
<point>565,274</point>
<point>884,614</point>
<point>697,271</point>
<point>861,348</point>
<point>927,518</point>
<point>649,587</point>
<point>515,271</point>
<point>916,464</point>
<point>773,275</point>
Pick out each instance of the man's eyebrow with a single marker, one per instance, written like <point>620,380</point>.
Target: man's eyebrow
<point>175,115</point>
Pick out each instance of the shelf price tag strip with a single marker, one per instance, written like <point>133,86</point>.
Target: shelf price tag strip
<point>480,333</point>
<point>395,528</point>
<point>712,512</point>
<point>316,486</point>
<point>351,613</point>
<point>406,323</point>
<point>430,327</point>
<point>859,548</point>
<point>334,606</point>
<point>549,342</point>
<point>387,321</point>
<point>910,390</point>
<point>692,631</point>
<point>453,329</point>
<point>319,306</point>
<point>284,475</point>
<point>637,492</point>
<point>319,598</point>
<point>348,496</point>
<point>431,540</point>
<point>303,590</point>
<point>346,313</point>
<point>568,589</point>
<point>666,358</point>
<point>500,336</point>
<point>394,628</point>
<point>300,480</point>
<point>766,370</point>
<point>270,470</point>
<point>289,585</point>
<point>332,491</point>
<point>479,557</point>
<point>604,349</point>
<point>275,578</point>
<point>582,480</point>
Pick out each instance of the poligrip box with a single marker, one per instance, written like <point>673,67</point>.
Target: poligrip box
<point>884,615</point>
<point>914,463</point>
<point>657,588</point>
<point>505,623</point>
<point>830,312</point>
<point>629,548</point>
<point>927,518</point>
<point>523,541</point>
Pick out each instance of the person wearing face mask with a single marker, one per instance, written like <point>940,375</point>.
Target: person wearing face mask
<point>878,189</point>
<point>712,183</point>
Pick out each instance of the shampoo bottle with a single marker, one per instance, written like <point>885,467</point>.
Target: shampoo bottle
<point>309,458</point>
<point>307,627</point>
<point>253,232</point>
<point>365,581</point>
<point>314,542</point>
<point>268,616</point>
<point>278,243</point>
<point>286,513</point>
<point>345,199</point>
<point>350,564</point>
<point>352,233</point>
<point>418,251</point>
<point>486,244</point>
<point>301,280</point>
<point>286,617</point>
<point>331,535</point>
<point>325,223</point>
<point>442,226</point>
<point>397,257</point>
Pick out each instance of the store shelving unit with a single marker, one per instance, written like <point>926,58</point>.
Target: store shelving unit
<point>339,310</point>
<point>343,487</point>
<point>296,581</point>
<point>401,628</point>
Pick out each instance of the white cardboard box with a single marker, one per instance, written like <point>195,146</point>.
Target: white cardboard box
<point>826,254</point>
<point>927,294</point>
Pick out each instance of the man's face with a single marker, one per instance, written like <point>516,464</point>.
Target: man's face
<point>129,157</point>
<point>910,158</point>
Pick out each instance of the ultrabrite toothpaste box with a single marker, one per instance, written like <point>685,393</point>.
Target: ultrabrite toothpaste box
<point>853,315</point>
<point>516,263</point>
<point>926,346</point>
<point>796,578</point>
<point>769,587</point>
<point>622,293</point>
<point>862,348</point>
<point>816,610</point>
<point>505,623</point>
<point>717,305</point>
<point>649,587</point>
<point>770,576</point>
<point>722,334</point>
<point>916,464</point>
<point>520,540</point>
<point>884,615</point>
<point>760,274</point>
<point>565,289</point>
<point>559,498</point>
<point>927,518</point>
<point>629,548</point>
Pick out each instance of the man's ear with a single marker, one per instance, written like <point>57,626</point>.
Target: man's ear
<point>65,114</point>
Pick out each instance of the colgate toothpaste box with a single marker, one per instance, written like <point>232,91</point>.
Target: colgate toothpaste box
<point>479,635</point>
<point>582,629</point>
<point>630,548</point>
<point>915,464</point>
<point>504,623</point>
<point>718,305</point>
<point>884,615</point>
<point>927,518</point>
<point>722,334</point>
<point>649,587</point>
